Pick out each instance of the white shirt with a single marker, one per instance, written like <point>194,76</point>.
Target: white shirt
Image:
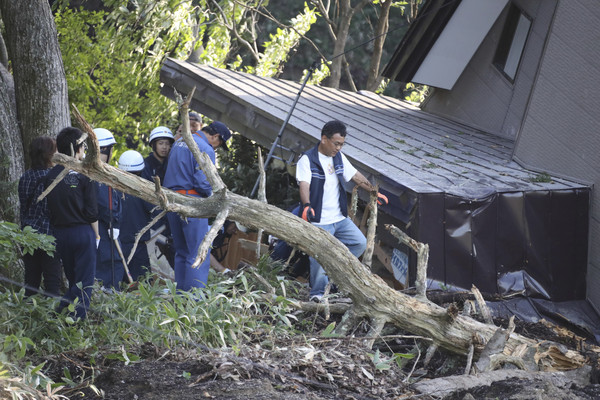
<point>330,208</point>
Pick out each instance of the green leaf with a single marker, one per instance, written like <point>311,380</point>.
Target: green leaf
<point>328,332</point>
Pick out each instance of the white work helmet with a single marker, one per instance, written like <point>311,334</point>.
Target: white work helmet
<point>161,132</point>
<point>131,161</point>
<point>105,137</point>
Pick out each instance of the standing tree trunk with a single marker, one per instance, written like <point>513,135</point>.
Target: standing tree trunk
<point>374,77</point>
<point>339,32</point>
<point>38,72</point>
<point>40,100</point>
<point>11,151</point>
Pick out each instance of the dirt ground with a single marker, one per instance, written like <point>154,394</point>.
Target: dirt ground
<point>319,368</point>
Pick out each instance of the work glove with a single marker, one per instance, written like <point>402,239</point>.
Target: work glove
<point>307,214</point>
<point>382,199</point>
<point>115,233</point>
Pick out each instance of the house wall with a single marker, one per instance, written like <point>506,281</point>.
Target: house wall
<point>560,130</point>
<point>483,97</point>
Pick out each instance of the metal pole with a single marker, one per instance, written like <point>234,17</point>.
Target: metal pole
<point>110,233</point>
<point>287,118</point>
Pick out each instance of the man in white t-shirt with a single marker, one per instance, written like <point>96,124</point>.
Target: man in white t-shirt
<point>321,173</point>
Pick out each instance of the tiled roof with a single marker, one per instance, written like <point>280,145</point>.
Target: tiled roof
<point>388,139</point>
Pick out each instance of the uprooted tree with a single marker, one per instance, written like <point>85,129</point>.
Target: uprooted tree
<point>371,297</point>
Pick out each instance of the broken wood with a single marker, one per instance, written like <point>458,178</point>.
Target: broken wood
<point>483,308</point>
<point>262,196</point>
<point>353,205</point>
<point>371,211</point>
<point>445,386</point>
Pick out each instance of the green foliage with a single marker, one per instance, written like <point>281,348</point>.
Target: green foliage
<point>383,363</point>
<point>226,313</point>
<point>318,75</point>
<point>544,177</point>
<point>112,61</point>
<point>328,331</point>
<point>14,242</point>
<point>281,44</point>
<point>415,93</point>
<point>28,382</point>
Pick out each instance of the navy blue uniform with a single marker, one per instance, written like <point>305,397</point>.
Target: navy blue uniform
<point>137,213</point>
<point>108,256</point>
<point>184,175</point>
<point>153,167</point>
<point>73,207</point>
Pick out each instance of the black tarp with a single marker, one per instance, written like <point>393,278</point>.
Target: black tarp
<point>531,242</point>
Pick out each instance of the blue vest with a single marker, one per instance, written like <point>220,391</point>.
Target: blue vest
<point>317,182</point>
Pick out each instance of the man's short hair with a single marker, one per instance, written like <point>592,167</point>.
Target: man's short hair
<point>333,127</point>
<point>69,138</point>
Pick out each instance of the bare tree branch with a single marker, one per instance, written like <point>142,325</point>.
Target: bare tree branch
<point>206,244</point>
<point>141,233</point>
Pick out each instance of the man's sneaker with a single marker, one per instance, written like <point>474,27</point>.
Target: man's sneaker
<point>316,298</point>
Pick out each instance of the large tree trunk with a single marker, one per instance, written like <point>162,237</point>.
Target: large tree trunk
<point>39,76</point>
<point>11,151</point>
<point>34,100</point>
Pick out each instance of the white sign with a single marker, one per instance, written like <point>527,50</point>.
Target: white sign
<point>400,266</point>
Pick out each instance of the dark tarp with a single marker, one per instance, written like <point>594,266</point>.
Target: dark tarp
<point>530,242</point>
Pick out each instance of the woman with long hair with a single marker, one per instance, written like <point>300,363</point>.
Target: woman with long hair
<point>35,214</point>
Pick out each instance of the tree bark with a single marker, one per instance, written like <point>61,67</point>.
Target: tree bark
<point>11,151</point>
<point>374,78</point>
<point>346,12</point>
<point>38,72</point>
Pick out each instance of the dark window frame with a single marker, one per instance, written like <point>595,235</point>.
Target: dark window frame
<point>507,41</point>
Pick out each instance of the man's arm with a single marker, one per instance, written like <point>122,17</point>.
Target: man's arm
<point>360,180</point>
<point>304,192</point>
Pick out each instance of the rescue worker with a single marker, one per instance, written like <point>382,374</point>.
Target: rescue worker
<point>184,176</point>
<point>109,267</point>
<point>137,213</point>
<point>161,139</point>
<point>195,124</point>
<point>73,211</point>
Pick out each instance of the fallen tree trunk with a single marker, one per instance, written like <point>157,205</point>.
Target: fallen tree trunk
<point>371,297</point>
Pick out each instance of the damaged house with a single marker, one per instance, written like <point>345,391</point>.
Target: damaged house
<point>495,170</point>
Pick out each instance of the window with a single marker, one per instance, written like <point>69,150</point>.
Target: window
<point>512,42</point>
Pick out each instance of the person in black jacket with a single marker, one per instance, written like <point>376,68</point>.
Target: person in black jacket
<point>73,210</point>
<point>35,215</point>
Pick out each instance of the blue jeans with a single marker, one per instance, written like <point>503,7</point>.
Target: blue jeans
<point>349,234</point>
<point>187,237</point>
